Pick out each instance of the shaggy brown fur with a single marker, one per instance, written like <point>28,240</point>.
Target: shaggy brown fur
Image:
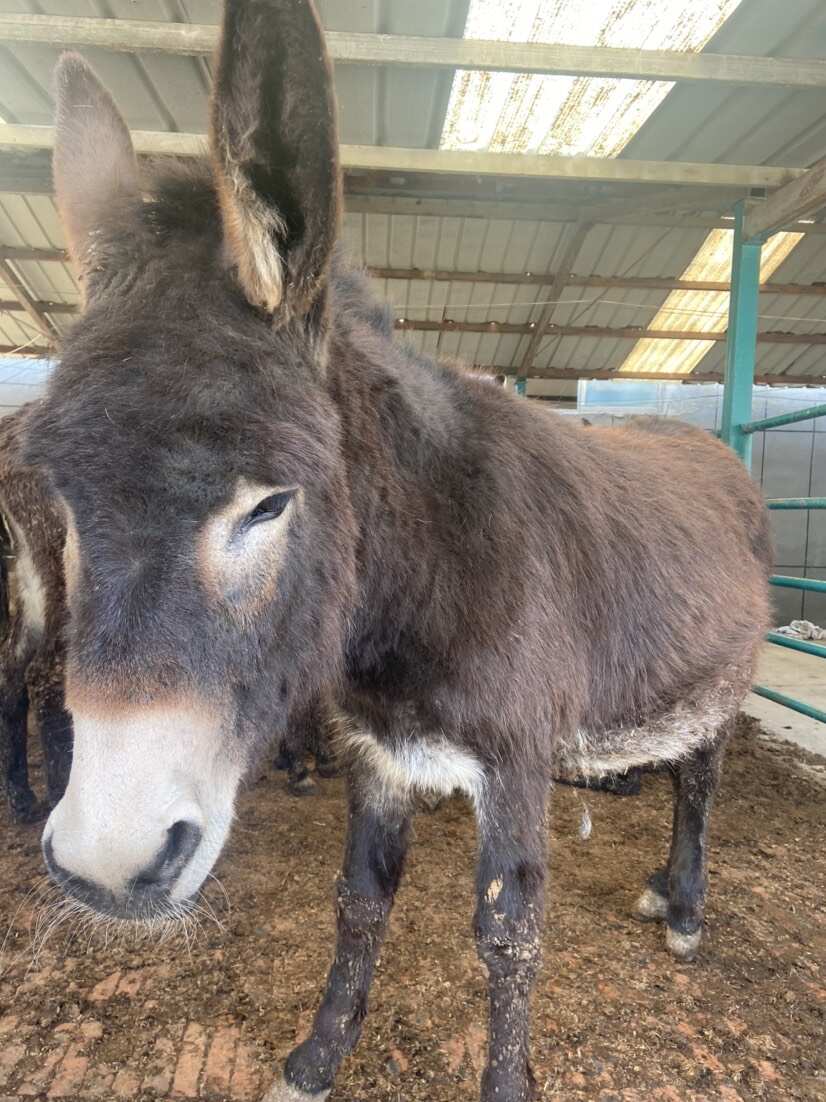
<point>493,591</point>
<point>33,608</point>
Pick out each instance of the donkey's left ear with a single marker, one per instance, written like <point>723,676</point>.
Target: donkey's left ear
<point>275,146</point>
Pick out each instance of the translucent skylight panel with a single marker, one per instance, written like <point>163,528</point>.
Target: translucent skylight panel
<point>570,115</point>
<point>701,311</point>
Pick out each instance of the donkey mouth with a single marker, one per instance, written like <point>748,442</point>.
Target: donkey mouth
<point>142,901</point>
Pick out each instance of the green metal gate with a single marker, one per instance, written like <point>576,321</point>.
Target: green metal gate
<point>738,427</point>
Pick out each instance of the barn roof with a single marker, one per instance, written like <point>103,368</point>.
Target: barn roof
<point>487,244</point>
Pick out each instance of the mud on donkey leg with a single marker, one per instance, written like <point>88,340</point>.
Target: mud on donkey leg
<point>377,840</point>
<point>508,927</point>
<point>677,893</point>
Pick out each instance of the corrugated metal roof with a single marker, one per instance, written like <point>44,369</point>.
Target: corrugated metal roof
<point>407,107</point>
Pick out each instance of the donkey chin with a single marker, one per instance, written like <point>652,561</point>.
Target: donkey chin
<point>147,811</point>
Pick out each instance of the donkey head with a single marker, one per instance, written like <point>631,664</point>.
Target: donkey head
<point>190,436</point>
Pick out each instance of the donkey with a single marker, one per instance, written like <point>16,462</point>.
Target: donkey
<point>266,496</point>
<point>32,606</point>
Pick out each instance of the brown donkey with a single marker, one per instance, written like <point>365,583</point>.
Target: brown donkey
<point>33,611</point>
<point>267,496</point>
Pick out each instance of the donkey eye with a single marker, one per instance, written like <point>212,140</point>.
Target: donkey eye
<point>268,509</point>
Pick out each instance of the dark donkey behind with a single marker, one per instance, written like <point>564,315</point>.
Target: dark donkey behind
<point>31,636</point>
<point>267,496</point>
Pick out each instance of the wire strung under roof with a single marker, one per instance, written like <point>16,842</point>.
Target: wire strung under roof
<point>589,302</point>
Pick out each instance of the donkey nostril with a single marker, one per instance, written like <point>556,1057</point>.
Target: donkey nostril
<point>182,839</point>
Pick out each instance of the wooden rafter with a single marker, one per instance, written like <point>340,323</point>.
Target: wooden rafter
<point>28,172</point>
<point>347,47</point>
<point>536,330</point>
<point>449,275</point>
<point>573,247</point>
<point>438,162</point>
<point>25,301</point>
<point>629,332</point>
<point>798,199</point>
<point>638,283</point>
<point>559,374</point>
<point>17,252</point>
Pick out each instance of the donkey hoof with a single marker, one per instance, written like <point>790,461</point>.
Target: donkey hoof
<point>327,770</point>
<point>304,786</point>
<point>683,946</point>
<point>284,1092</point>
<point>652,906</point>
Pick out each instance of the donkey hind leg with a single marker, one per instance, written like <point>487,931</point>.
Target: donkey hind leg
<point>299,780</point>
<point>508,926</point>
<point>677,893</point>
<point>294,763</point>
<point>14,757</point>
<point>377,839</point>
<point>326,764</point>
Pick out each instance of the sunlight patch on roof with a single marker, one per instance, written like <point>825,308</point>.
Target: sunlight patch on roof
<point>525,113</point>
<point>705,311</point>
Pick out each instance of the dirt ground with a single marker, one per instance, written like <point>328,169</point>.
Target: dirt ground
<point>615,1018</point>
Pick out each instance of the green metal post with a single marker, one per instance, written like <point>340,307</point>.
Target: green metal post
<point>742,339</point>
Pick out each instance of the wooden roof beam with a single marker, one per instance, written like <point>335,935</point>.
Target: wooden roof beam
<point>449,162</point>
<point>26,302</point>
<point>639,283</point>
<point>795,200</point>
<point>28,172</point>
<point>629,332</point>
<point>42,306</point>
<point>17,252</point>
<point>502,328</point>
<point>447,275</point>
<point>576,239</point>
<point>348,47</point>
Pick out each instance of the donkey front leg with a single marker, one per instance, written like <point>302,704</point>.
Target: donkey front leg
<point>508,927</point>
<point>377,841</point>
<point>55,725</point>
<point>14,760</point>
<point>677,893</point>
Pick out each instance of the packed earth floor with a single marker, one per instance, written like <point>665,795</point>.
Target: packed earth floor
<point>615,1018</point>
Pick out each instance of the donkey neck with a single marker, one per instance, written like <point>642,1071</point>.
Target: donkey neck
<point>422,485</point>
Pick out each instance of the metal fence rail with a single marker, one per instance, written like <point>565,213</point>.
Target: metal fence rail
<point>796,503</point>
<point>790,702</point>
<point>811,584</point>
<point>738,426</point>
<point>782,419</point>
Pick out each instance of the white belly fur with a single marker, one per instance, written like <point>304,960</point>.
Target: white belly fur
<point>422,764</point>
<point>670,737</point>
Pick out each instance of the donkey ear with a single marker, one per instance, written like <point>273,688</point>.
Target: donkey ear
<point>93,162</point>
<point>275,147</point>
